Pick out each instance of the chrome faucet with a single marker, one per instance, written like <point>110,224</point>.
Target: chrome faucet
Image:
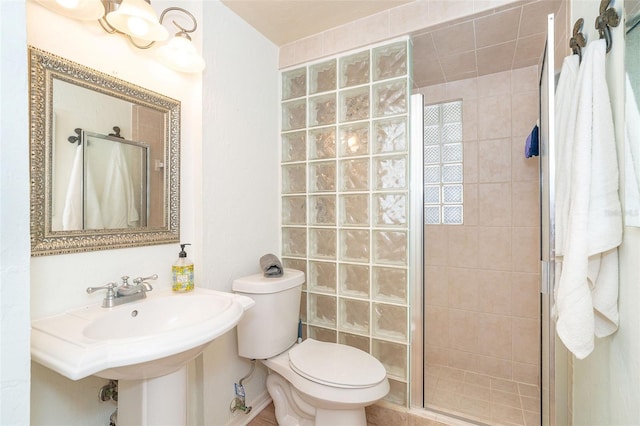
<point>126,292</point>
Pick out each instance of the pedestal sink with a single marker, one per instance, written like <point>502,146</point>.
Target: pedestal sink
<point>145,345</point>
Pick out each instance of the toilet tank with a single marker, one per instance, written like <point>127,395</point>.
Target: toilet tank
<point>271,326</point>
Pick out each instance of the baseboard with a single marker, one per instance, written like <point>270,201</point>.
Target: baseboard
<point>257,405</point>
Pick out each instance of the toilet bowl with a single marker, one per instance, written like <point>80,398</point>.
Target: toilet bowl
<point>312,382</point>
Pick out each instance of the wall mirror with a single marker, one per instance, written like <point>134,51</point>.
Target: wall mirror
<point>632,114</point>
<point>105,158</point>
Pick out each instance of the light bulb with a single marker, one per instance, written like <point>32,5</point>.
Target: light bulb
<point>68,4</point>
<point>137,26</point>
<point>181,55</point>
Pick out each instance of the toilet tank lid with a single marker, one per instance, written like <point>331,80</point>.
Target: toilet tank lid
<point>259,284</point>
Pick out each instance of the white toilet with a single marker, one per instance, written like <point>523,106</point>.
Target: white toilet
<point>313,382</point>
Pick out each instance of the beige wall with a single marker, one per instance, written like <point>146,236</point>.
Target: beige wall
<point>482,278</point>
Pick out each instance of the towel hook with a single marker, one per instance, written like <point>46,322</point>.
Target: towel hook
<point>116,133</point>
<point>577,42</point>
<point>74,139</point>
<point>608,18</point>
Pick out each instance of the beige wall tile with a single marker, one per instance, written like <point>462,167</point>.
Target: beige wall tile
<point>437,326</point>
<point>494,204</point>
<point>449,10</point>
<point>524,80</point>
<point>494,160</point>
<point>494,367</point>
<point>523,169</point>
<point>525,203</point>
<point>463,246</point>
<point>495,248</point>
<point>525,249</point>
<point>469,120</point>
<point>494,117</point>
<point>382,416</point>
<point>455,39</point>
<point>494,292</point>
<point>525,288</point>
<point>435,94</point>
<point>529,50</point>
<point>536,12</point>
<point>459,89</point>
<point>526,373</point>
<point>368,30</point>
<point>494,84</point>
<point>434,355</point>
<point>463,289</point>
<point>495,58</point>
<point>470,198</point>
<point>459,64</point>
<point>435,245</point>
<point>461,360</point>
<point>410,17</point>
<point>525,340</point>
<point>497,28</point>
<point>463,330</point>
<point>436,286</point>
<point>496,340</point>
<point>505,398</point>
<point>504,386</point>
<point>524,113</point>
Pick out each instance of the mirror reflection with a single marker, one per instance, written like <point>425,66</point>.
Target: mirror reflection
<point>105,160</point>
<point>632,114</point>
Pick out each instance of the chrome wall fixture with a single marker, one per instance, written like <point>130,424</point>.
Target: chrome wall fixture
<point>137,20</point>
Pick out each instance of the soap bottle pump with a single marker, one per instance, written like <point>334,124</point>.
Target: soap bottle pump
<point>182,272</point>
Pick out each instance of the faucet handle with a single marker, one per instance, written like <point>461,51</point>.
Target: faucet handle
<point>125,280</point>
<point>109,287</point>
<point>141,279</point>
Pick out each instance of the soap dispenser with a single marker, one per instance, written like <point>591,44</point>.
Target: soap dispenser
<point>182,272</point>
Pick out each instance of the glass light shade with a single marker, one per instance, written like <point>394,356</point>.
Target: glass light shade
<point>181,55</point>
<point>84,10</point>
<point>137,19</point>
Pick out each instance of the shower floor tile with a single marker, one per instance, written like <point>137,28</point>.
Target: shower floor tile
<point>479,398</point>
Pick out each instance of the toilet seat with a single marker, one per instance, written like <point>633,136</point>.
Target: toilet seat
<point>336,365</point>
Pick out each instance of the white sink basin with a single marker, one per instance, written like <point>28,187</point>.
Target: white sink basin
<point>138,340</point>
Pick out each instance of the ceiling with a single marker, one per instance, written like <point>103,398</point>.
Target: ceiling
<point>486,43</point>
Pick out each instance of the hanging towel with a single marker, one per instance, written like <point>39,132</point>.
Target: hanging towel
<point>631,157</point>
<point>531,144</point>
<point>72,212</point>
<point>118,197</point>
<point>587,293</point>
<point>92,207</point>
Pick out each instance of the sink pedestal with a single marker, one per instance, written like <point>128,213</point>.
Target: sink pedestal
<point>151,402</point>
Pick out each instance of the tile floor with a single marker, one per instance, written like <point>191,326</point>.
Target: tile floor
<point>482,398</point>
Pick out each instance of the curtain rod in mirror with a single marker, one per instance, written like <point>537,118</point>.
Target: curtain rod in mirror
<point>137,20</point>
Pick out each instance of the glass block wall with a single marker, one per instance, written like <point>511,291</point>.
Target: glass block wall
<point>345,165</point>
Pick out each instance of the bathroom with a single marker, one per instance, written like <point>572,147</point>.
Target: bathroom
<point>220,154</point>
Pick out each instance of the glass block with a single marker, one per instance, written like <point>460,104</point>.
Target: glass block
<point>397,393</point>
<point>322,209</point>
<point>390,321</point>
<point>431,115</point>
<point>390,61</point>
<point>432,194</point>
<point>354,315</point>
<point>390,247</point>
<point>294,115</point>
<point>294,210</point>
<point>354,139</point>
<point>354,245</point>
<point>322,176</point>
<point>431,135</point>
<point>359,342</point>
<point>322,334</point>
<point>294,242</point>
<point>452,194</point>
<point>390,284</point>
<point>294,178</point>
<point>391,172</point>
<point>322,243</point>
<point>294,83</point>
<point>294,146</point>
<point>452,215</point>
<point>452,152</point>
<point>298,264</point>
<point>431,154</point>
<point>452,112</point>
<point>452,173</point>
<point>322,110</point>
<point>303,306</point>
<point>431,215</point>
<point>432,174</point>
<point>354,69</point>
<point>391,135</point>
<point>322,310</point>
<point>354,104</point>
<point>322,277</point>
<point>390,209</point>
<point>390,98</point>
<point>392,355</point>
<point>354,210</point>
<point>322,77</point>
<point>354,280</point>
<point>452,132</point>
<point>322,143</point>
<point>354,175</point>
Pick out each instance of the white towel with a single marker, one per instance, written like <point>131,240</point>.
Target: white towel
<point>118,198</point>
<point>92,206</point>
<point>72,212</point>
<point>587,292</point>
<point>631,156</point>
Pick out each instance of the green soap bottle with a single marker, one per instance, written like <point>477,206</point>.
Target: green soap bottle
<point>182,272</point>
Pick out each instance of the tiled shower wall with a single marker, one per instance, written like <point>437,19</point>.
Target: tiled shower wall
<point>345,200</point>
<point>481,277</point>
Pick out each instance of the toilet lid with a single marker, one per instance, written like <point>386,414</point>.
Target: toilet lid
<point>335,364</point>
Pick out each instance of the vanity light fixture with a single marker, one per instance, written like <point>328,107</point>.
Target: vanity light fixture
<point>137,20</point>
